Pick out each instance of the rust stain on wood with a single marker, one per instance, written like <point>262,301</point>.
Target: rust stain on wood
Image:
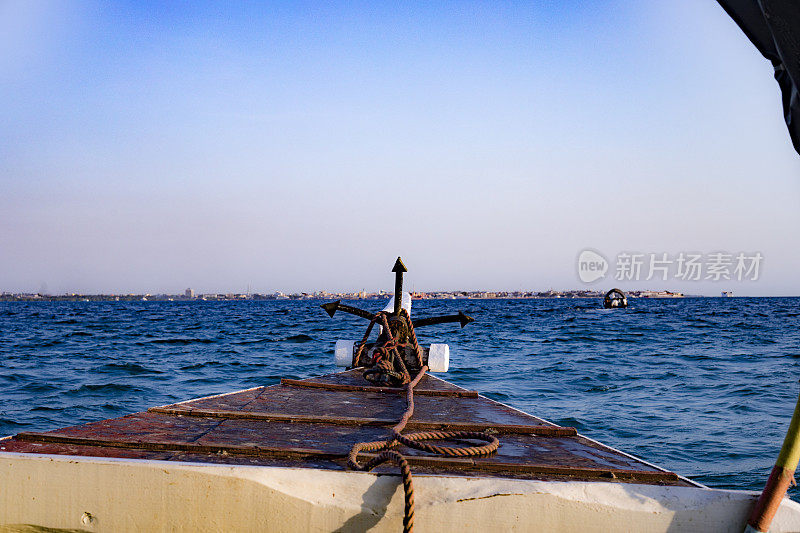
<point>542,431</point>
<point>364,388</point>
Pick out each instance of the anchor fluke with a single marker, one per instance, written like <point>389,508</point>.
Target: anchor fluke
<point>331,307</point>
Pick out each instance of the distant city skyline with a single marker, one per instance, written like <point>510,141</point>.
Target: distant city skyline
<point>191,294</point>
<point>326,295</point>
<point>150,148</point>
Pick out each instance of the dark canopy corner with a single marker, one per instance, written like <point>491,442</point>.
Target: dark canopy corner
<point>774,28</point>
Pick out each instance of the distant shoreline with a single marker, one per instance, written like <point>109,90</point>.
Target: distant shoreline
<point>235,297</point>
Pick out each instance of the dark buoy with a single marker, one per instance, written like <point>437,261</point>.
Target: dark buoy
<point>615,299</point>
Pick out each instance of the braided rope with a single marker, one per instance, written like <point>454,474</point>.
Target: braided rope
<point>387,362</point>
<point>413,337</point>
<point>412,441</point>
<point>360,350</point>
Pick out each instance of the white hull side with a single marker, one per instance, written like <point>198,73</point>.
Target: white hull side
<point>118,495</point>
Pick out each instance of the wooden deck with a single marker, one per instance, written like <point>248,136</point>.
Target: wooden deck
<point>313,423</point>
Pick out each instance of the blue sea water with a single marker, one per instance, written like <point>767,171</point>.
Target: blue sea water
<point>702,386</point>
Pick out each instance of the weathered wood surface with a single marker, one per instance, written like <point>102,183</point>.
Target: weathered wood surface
<point>315,422</point>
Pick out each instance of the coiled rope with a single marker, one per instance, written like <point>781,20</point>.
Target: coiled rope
<point>387,366</point>
<point>387,359</point>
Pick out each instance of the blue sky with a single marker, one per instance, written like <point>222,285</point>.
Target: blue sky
<point>216,146</point>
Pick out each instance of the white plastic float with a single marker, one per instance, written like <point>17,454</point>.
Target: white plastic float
<point>439,358</point>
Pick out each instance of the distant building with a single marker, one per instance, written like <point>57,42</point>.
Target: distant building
<point>660,294</point>
<point>189,293</point>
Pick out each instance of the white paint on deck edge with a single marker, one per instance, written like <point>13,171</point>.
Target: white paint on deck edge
<point>137,495</point>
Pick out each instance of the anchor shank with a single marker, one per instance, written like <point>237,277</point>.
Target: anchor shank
<point>398,270</point>
<point>398,292</point>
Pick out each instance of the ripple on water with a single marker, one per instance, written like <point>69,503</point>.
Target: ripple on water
<point>125,369</point>
<point>301,338</point>
<point>181,341</point>
<point>109,389</point>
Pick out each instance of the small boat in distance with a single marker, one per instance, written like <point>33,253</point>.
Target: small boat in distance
<point>615,299</point>
<point>727,294</point>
